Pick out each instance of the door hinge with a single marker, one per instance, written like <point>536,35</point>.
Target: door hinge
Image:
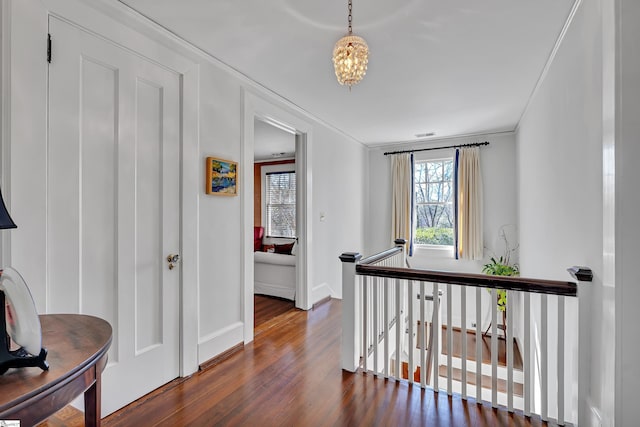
<point>49,48</point>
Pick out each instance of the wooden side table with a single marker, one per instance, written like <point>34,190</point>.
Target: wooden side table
<point>77,346</point>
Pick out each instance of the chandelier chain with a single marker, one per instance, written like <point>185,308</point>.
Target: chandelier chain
<point>350,17</point>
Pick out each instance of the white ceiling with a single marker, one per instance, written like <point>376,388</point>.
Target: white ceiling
<point>453,67</point>
<point>272,143</point>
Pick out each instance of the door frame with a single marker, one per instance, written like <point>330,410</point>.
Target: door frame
<point>24,136</point>
<point>255,107</point>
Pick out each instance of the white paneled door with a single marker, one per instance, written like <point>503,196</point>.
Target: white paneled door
<point>113,204</point>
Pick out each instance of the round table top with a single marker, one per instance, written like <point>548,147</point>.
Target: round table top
<point>73,341</point>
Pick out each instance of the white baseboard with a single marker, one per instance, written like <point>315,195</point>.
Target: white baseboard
<point>320,292</point>
<point>220,341</point>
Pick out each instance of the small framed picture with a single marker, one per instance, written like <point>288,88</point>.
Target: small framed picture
<point>222,177</point>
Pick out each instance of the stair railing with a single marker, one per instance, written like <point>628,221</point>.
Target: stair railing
<point>392,329</point>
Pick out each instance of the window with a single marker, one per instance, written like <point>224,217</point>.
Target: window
<point>280,204</point>
<point>434,209</point>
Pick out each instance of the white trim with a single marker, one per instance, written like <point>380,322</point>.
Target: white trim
<point>264,170</point>
<point>254,106</point>
<point>427,142</point>
<point>219,341</point>
<point>321,292</point>
<point>5,125</point>
<point>550,59</point>
<point>275,159</point>
<point>189,221</point>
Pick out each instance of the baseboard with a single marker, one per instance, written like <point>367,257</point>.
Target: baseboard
<point>220,341</point>
<point>321,292</point>
<point>221,357</point>
<point>320,302</point>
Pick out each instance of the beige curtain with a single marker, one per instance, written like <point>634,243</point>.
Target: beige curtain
<point>470,239</point>
<point>401,189</point>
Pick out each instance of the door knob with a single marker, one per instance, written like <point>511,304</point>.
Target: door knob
<point>172,259</point>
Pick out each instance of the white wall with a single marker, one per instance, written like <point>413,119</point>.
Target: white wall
<point>220,286</point>
<point>215,276</point>
<point>498,162</point>
<point>627,206</point>
<point>560,183</point>
<point>339,169</point>
<point>499,184</point>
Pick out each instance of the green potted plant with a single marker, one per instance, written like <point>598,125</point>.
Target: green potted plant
<point>502,266</point>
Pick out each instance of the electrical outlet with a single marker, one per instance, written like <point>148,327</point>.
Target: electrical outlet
<point>473,324</point>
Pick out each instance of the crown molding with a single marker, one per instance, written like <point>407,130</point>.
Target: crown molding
<point>550,59</point>
<point>429,141</point>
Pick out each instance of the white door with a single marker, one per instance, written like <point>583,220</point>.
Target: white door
<point>113,204</point>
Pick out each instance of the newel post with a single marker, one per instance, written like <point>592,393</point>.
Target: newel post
<point>584,276</point>
<point>349,352</point>
<point>402,243</point>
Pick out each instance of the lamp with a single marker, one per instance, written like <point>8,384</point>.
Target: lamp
<point>18,316</point>
<point>350,57</point>
<point>5,218</point>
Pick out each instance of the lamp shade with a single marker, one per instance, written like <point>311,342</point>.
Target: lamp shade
<point>5,218</point>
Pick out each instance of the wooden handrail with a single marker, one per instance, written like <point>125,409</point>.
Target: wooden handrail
<point>380,256</point>
<point>552,287</point>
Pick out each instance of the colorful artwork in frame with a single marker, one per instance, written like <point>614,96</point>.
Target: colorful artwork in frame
<point>222,177</point>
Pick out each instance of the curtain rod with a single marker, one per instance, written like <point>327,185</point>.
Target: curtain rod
<point>475,144</point>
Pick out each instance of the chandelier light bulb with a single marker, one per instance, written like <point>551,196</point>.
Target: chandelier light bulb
<point>350,57</point>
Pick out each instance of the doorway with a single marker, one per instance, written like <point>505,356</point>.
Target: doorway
<point>261,112</point>
<point>275,234</point>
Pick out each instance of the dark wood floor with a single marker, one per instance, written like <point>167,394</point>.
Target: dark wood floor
<point>267,308</point>
<point>290,376</point>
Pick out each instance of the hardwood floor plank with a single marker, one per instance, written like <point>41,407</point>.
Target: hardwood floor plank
<point>290,375</point>
<point>267,308</point>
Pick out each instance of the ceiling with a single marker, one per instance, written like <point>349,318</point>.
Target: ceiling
<point>450,67</point>
<point>272,143</point>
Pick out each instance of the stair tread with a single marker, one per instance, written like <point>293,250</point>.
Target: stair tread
<point>486,348</point>
<point>456,375</point>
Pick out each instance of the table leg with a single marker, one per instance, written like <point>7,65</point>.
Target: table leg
<point>92,402</point>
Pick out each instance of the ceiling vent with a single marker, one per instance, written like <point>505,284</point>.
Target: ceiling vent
<point>425,135</point>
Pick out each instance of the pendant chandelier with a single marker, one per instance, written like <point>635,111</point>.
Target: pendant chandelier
<point>350,57</point>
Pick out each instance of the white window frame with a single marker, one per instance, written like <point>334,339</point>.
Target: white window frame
<point>267,169</point>
<point>436,251</point>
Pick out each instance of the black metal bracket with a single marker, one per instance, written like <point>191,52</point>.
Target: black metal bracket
<point>582,274</point>
<point>19,358</point>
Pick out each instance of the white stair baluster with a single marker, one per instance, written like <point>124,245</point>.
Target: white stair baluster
<point>494,348</point>
<point>478,345</point>
<point>544,364</point>
<point>449,340</point>
<point>463,335</point>
<point>509,343</point>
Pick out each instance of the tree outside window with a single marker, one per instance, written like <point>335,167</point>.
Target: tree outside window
<point>434,195</point>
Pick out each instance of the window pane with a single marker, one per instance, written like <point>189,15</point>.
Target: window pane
<point>435,171</point>
<point>420,172</point>
<point>421,193</point>
<point>434,225</point>
<point>434,214</point>
<point>435,192</point>
<point>447,192</point>
<point>448,171</point>
<point>281,204</point>
<point>282,220</point>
